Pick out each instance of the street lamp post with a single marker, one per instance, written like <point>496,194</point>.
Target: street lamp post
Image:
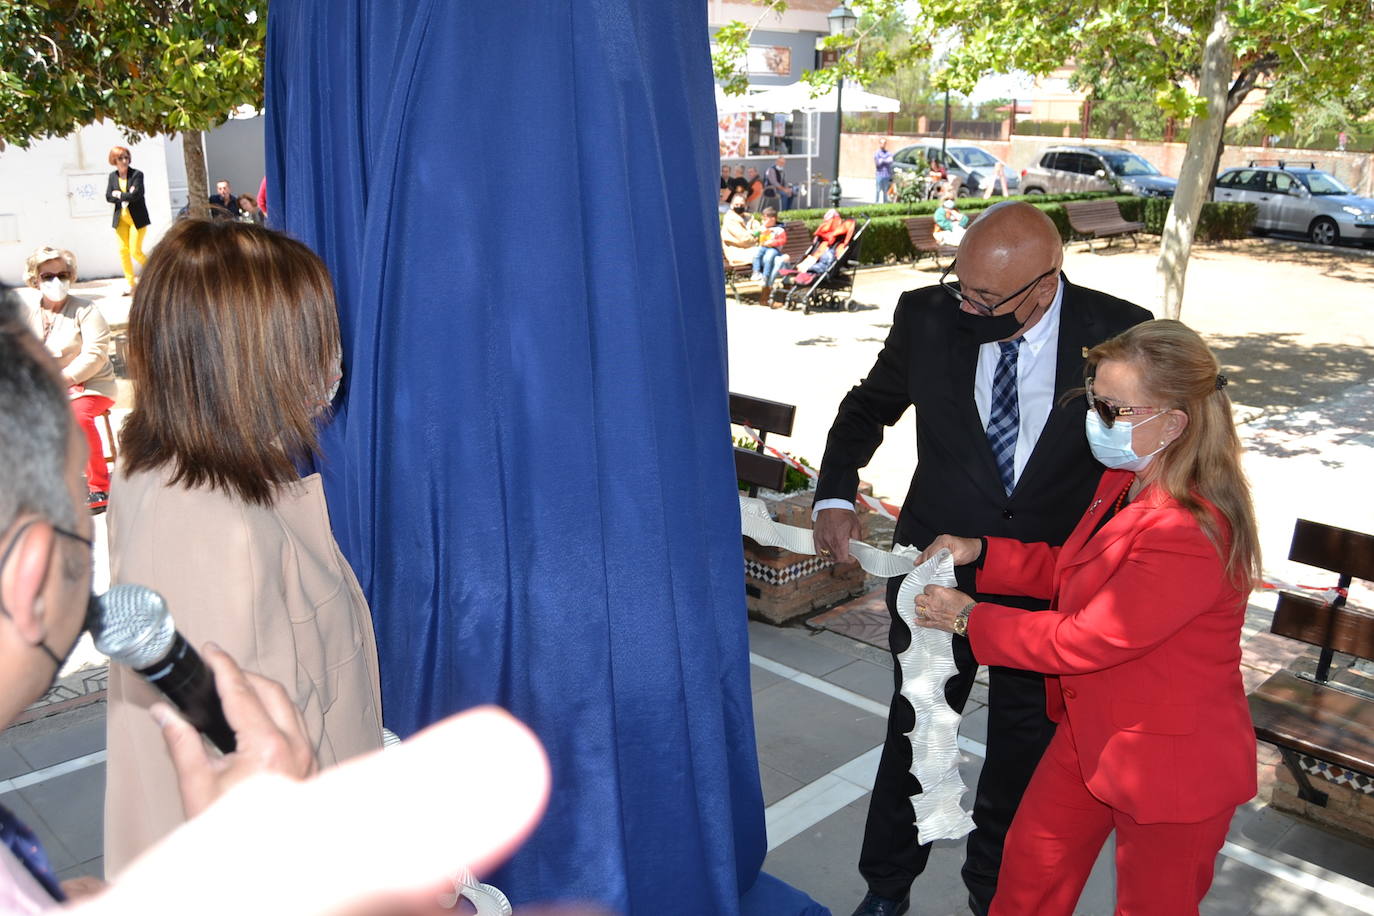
<point>841,21</point>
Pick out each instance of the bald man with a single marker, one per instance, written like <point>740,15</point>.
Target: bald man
<point>985,357</point>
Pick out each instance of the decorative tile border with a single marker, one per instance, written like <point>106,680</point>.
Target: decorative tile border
<point>1336,775</point>
<point>771,575</point>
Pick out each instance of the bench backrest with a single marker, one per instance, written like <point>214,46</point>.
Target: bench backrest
<point>1089,211</point>
<point>1334,626</point>
<point>751,465</point>
<point>921,231</point>
<point>798,240</point>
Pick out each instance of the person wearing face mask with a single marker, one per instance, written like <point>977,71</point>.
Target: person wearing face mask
<point>984,362</point>
<point>214,508</point>
<point>76,334</point>
<point>949,222</point>
<point>736,238</point>
<point>1140,644</point>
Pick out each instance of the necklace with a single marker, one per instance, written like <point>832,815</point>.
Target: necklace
<point>1121,499</point>
<point>49,319</point>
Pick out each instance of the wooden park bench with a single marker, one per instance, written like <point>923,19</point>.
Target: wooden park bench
<point>1100,219</point>
<point>1317,724</point>
<point>753,466</point>
<point>921,231</point>
<point>798,240</point>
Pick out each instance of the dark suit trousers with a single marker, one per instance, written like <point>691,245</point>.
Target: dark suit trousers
<point>1018,733</point>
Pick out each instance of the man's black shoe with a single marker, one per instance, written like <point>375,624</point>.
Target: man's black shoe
<point>873,905</point>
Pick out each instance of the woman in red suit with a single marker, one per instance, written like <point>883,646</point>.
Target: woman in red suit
<point>1143,636</point>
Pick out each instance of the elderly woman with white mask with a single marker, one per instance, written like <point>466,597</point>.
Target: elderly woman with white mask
<point>76,334</point>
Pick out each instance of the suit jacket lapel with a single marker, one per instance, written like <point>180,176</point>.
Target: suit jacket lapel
<point>1078,328</point>
<point>983,465</point>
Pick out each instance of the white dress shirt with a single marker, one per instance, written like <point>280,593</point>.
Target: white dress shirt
<point>1035,374</point>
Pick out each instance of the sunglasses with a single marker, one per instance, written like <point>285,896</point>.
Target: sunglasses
<point>1110,412</point>
<point>63,275</point>
<point>121,159</point>
<point>951,287</point>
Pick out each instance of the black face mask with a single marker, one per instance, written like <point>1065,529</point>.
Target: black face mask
<point>738,209</point>
<point>92,606</point>
<point>991,328</point>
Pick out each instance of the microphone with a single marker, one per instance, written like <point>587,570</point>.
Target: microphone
<point>131,625</point>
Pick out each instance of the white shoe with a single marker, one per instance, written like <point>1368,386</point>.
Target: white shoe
<point>756,278</point>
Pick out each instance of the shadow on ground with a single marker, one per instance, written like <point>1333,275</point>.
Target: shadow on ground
<point>1273,372</point>
<point>1344,262</point>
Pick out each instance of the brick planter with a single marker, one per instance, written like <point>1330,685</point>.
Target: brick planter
<point>1349,807</point>
<point>781,586</point>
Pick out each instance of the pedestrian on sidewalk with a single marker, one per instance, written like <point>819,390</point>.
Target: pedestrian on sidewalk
<point>882,171</point>
<point>1154,737</point>
<point>76,335</point>
<point>125,190</point>
<point>986,363</point>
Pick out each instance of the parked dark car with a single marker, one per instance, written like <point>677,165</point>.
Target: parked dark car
<point>1071,169</point>
<point>974,166</point>
<point>1298,198</point>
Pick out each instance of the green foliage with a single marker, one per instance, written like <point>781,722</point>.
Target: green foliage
<point>150,67</point>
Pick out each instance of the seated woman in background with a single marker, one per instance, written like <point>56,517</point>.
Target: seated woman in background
<point>234,356</point>
<point>949,222</point>
<point>76,334</point>
<point>1143,639</point>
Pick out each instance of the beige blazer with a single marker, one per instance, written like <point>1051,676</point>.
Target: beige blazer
<point>739,243</point>
<point>270,586</point>
<point>78,337</point>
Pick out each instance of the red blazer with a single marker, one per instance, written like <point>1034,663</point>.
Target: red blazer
<point>1143,633</point>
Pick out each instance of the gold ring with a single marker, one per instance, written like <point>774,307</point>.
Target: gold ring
<point>824,552</point>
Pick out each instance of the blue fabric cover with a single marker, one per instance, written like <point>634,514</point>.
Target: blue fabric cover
<point>530,466</point>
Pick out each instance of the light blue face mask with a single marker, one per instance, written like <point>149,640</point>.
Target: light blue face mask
<point>1111,445</point>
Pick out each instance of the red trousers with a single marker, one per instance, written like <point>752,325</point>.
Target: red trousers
<point>1059,830</point>
<point>87,408</point>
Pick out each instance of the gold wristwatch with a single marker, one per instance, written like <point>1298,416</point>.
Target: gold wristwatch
<point>961,622</point>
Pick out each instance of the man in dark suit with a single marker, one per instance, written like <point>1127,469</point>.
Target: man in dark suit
<point>986,364</point>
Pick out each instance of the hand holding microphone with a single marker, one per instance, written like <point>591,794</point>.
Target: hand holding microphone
<point>250,718</point>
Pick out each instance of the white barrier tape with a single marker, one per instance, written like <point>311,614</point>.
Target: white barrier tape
<point>926,665</point>
<point>929,658</point>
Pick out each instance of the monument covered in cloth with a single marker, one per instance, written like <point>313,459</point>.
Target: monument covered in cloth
<point>530,465</point>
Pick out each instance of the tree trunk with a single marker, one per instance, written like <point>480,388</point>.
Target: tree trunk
<point>197,183</point>
<point>1199,163</point>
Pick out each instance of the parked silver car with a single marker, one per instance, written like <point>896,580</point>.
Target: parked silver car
<point>1299,198</point>
<point>1073,169</point>
<point>974,166</point>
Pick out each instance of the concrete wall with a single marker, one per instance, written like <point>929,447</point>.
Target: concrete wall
<point>234,151</point>
<point>53,193</point>
<point>1354,168</point>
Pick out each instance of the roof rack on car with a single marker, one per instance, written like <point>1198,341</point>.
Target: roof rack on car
<point>1282,163</point>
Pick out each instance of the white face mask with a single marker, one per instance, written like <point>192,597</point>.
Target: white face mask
<point>1112,446</point>
<point>54,290</point>
<point>949,205</point>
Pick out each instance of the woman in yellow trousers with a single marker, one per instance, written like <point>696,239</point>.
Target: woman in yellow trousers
<point>125,191</point>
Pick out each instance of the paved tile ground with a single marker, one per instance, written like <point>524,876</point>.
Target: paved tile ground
<point>1291,325</point>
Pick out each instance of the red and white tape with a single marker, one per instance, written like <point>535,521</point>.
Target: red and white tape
<point>1328,595</point>
<point>877,505</point>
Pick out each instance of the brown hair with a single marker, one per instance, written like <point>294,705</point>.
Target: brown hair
<point>117,151</point>
<point>1178,370</point>
<point>233,339</point>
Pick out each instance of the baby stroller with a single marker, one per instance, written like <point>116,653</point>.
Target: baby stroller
<point>831,288</point>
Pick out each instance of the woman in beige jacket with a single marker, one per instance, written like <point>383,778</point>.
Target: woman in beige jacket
<point>233,352</point>
<point>76,335</point>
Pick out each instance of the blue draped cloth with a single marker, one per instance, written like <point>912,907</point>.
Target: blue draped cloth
<point>530,466</point>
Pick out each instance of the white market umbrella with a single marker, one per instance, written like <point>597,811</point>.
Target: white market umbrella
<point>797,97</point>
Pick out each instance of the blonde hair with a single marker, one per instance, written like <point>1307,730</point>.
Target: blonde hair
<point>44,254</point>
<point>1179,371</point>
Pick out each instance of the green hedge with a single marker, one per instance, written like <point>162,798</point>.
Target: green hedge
<point>886,238</point>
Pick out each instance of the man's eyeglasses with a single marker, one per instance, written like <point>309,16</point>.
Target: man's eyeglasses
<point>1110,412</point>
<point>60,275</point>
<point>952,288</point>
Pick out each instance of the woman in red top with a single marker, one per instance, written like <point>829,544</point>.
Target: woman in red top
<point>1143,637</point>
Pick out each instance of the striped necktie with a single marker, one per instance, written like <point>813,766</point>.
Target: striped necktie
<point>1004,420</point>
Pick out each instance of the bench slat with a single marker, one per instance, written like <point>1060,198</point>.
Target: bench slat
<point>1313,621</point>
<point>763,415</point>
<point>1323,722</point>
<point>760,470</point>
<point>1336,549</point>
